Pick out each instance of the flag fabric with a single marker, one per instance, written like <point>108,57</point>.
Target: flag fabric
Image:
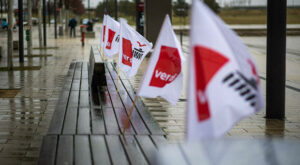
<point>112,37</point>
<point>164,76</point>
<point>102,39</point>
<point>223,84</point>
<point>133,49</point>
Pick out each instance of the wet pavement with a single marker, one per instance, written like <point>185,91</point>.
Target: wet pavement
<point>25,118</point>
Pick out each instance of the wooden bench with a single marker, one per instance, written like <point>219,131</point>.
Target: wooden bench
<point>83,132</point>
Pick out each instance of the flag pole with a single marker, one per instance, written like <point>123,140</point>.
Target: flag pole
<point>130,113</point>
<point>118,78</point>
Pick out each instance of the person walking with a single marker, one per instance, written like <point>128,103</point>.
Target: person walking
<point>72,25</point>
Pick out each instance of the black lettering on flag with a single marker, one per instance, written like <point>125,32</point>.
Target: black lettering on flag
<point>246,88</point>
<point>137,53</point>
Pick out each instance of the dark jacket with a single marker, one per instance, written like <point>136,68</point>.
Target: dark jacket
<point>72,23</point>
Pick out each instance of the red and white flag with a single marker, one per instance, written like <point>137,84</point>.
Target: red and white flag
<point>133,49</point>
<point>164,76</point>
<point>112,37</point>
<point>223,84</point>
<point>102,39</point>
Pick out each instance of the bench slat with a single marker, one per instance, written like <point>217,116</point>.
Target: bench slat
<point>73,100</point>
<point>82,150</point>
<point>104,97</point>
<point>84,85</point>
<point>59,114</point>
<point>65,150</point>
<point>77,74</point>
<point>75,85</point>
<point>84,121</point>
<point>135,119</point>
<point>99,150</point>
<point>116,150</point>
<point>84,99</point>
<point>147,146</point>
<point>133,151</point>
<point>110,121</point>
<point>48,150</point>
<point>97,121</point>
<point>70,121</point>
<point>115,99</point>
<point>159,140</point>
<point>121,117</point>
<point>145,114</point>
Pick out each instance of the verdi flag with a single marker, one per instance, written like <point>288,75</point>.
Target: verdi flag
<point>223,84</point>
<point>112,37</point>
<point>164,76</point>
<point>102,39</point>
<point>133,49</point>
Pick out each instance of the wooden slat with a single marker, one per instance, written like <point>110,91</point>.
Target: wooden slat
<point>99,150</point>
<point>77,74</point>
<point>82,150</point>
<point>147,147</point>
<point>84,75</point>
<point>83,121</point>
<point>84,85</point>
<point>114,96</point>
<point>76,85</point>
<point>159,140</point>
<point>84,66</point>
<point>104,97</point>
<point>122,117</point>
<point>70,121</point>
<point>67,84</point>
<point>145,114</point>
<point>133,150</point>
<point>97,121</point>
<point>116,150</point>
<point>48,150</point>
<point>73,100</point>
<point>59,114</point>
<point>84,99</point>
<point>135,119</point>
<point>65,150</point>
<point>111,124</point>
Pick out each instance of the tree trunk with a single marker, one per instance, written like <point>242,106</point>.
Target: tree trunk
<point>67,20</point>
<point>40,23</point>
<point>29,43</point>
<point>10,36</point>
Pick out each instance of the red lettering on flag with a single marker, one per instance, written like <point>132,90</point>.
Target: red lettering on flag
<point>103,32</point>
<point>110,38</point>
<point>127,52</point>
<point>207,63</point>
<point>167,68</point>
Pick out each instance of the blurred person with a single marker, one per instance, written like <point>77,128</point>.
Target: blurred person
<point>72,25</point>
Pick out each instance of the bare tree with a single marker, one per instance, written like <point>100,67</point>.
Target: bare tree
<point>10,36</point>
<point>40,23</point>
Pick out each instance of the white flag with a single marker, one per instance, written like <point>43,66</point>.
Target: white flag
<point>164,73</point>
<point>133,49</point>
<point>102,39</point>
<point>223,84</point>
<point>112,37</point>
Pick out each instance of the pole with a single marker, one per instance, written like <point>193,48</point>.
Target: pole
<point>40,23</point>
<point>116,10</point>
<point>55,20</point>
<point>44,23</point>
<point>276,47</point>
<point>29,42</point>
<point>21,32</point>
<point>10,36</point>
<point>129,115</point>
<point>49,12</point>
<point>89,14</point>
